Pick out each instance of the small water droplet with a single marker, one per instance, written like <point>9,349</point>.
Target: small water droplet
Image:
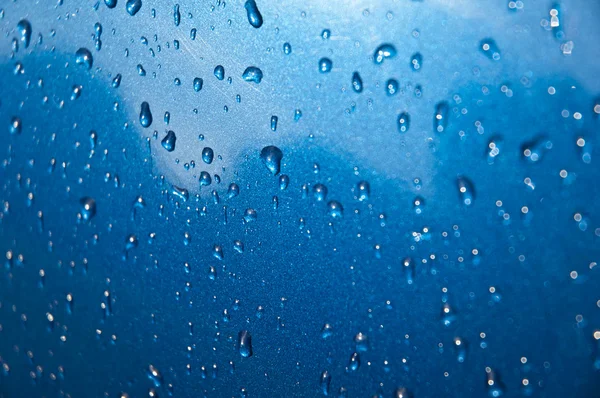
<point>325,65</point>
<point>357,83</point>
<point>245,344</point>
<point>403,122</point>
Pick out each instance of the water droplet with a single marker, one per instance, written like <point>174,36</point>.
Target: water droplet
<point>250,215</point>
<point>24,29</point>
<point>363,190</point>
<point>320,192</point>
<point>460,348</point>
<point>88,208</point>
<point>490,49</point>
<point>116,82</point>
<point>534,150</point>
<point>440,119</point>
<point>402,392</point>
<point>354,362</point>
<point>326,331</point>
<point>325,382</point>
<point>271,157</point>
<point>169,141</point>
<point>287,48</point>
<point>325,65</point>
<point>133,6</point>
<point>252,74</point>
<point>245,344</point>
<point>207,155</point>
<point>155,376</point>
<point>493,148</point>
<point>391,87</point>
<point>384,52</point>
<point>204,178</point>
<point>110,3</point>
<point>145,115</point>
<point>233,190</point>
<point>219,72</point>
<point>15,126</point>
<point>83,56</point>
<point>254,16</point>
<point>418,204</point>
<point>408,265</point>
<point>198,83</point>
<point>335,209</point>
<point>466,190</point>
<point>176,15</point>
<point>416,61</point>
<point>284,181</point>
<point>403,122</point>
<point>357,83</point>
<point>494,386</point>
<point>274,120</point>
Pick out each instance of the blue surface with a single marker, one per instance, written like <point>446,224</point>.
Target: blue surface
<point>371,237</point>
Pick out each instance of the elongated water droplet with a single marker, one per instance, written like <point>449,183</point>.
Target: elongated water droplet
<point>169,141</point>
<point>176,15</point>
<point>354,362</point>
<point>384,52</point>
<point>15,126</point>
<point>534,150</point>
<point>145,115</point>
<point>198,83</point>
<point>252,74</point>
<point>254,16</point>
<point>274,120</point>
<point>494,385</point>
<point>325,382</point>
<point>440,118</point>
<point>490,49</point>
<point>24,29</point>
<point>320,192</point>
<point>357,83</point>
<point>403,122</point>
<point>363,190</point>
<point>245,344</point>
<point>466,190</point>
<point>116,82</point>
<point>155,376</point>
<point>460,348</point>
<point>271,157</point>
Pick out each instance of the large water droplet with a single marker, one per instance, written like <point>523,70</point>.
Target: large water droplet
<point>207,155</point>
<point>271,157</point>
<point>252,74</point>
<point>254,16</point>
<point>145,115</point>
<point>24,29</point>
<point>83,56</point>
<point>384,52</point>
<point>335,209</point>
<point>169,141</point>
<point>133,6</point>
